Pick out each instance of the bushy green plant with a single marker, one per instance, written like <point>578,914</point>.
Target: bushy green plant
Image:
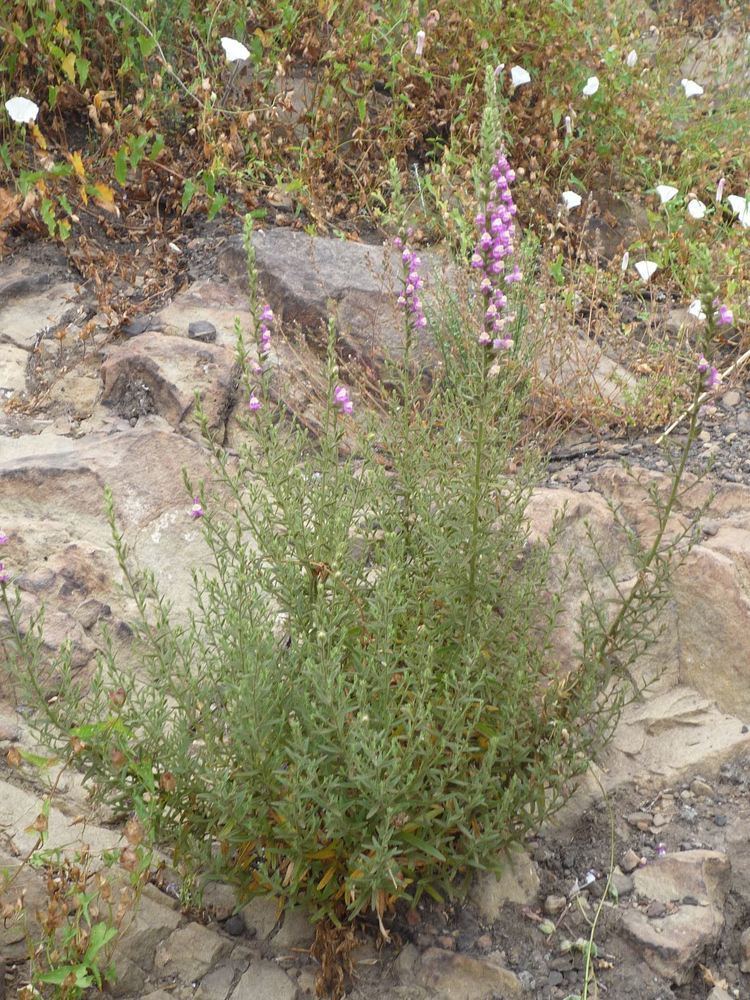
<point>365,702</point>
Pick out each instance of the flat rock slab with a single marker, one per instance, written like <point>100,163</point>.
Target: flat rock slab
<point>190,952</point>
<point>155,373</point>
<point>13,361</point>
<point>26,314</point>
<point>452,976</point>
<point>673,945</point>
<point>700,874</point>
<point>265,981</point>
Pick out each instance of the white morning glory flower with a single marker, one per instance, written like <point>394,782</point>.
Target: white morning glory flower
<point>666,192</point>
<point>21,110</point>
<point>234,51</point>
<point>696,209</point>
<point>646,269</point>
<point>592,85</point>
<point>571,199</point>
<point>691,88</point>
<point>696,309</point>
<point>741,208</point>
<point>519,76</point>
<point>625,261</point>
<point>631,59</point>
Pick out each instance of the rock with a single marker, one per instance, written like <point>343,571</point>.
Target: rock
<point>673,946</point>
<point>235,925</point>
<point>731,398</point>
<point>217,985</point>
<point>630,861</point>
<point>745,951</point>
<point>295,934</point>
<point>517,883</point>
<point>621,883</point>
<point>701,788</point>
<point>202,329</point>
<point>717,993</point>
<point>706,875</point>
<point>640,820</point>
<point>261,916</point>
<point>76,395</point>
<point>451,976</point>
<point>265,981</point>
<point>682,938</point>
<point>190,952</point>
<point>655,909</point>
<point>576,366</point>
<point>139,325</point>
<point>406,963</point>
<point>13,361</point>
<point>152,921</point>
<point>130,979</point>
<point>220,900</point>
<point>160,374</point>
<point>554,905</point>
<point>309,279</point>
<point>25,315</point>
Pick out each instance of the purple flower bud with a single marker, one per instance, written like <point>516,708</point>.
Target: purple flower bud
<point>196,510</point>
<point>3,538</point>
<point>347,407</point>
<point>725,317</point>
<point>713,378</point>
<point>254,403</point>
<point>477,261</point>
<point>340,394</point>
<point>502,344</point>
<point>398,242</point>
<point>266,314</point>
<point>484,338</point>
<point>702,365</point>
<point>4,574</point>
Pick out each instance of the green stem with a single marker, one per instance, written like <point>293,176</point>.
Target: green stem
<point>477,482</point>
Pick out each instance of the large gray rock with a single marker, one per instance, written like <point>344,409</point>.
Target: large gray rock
<point>265,981</point>
<point>190,952</point>
<point>451,976</point>
<point>309,280</point>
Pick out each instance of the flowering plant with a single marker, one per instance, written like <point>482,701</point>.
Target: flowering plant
<point>365,703</point>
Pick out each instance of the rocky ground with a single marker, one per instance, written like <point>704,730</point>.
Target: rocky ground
<point>99,392</point>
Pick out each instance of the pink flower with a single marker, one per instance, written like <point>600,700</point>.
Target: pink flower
<point>253,403</point>
<point>502,343</point>
<point>702,365</point>
<point>341,399</point>
<point>4,574</point>
<point>3,538</point>
<point>196,510</point>
<point>713,378</point>
<point>724,317</point>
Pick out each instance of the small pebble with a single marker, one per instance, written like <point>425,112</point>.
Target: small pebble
<point>701,788</point>
<point>235,925</point>
<point>555,978</point>
<point>447,942</point>
<point>483,943</point>
<point>630,861</point>
<point>201,329</point>
<point>688,814</point>
<point>720,820</point>
<point>656,909</point>
<point>730,398</point>
<point>554,905</point>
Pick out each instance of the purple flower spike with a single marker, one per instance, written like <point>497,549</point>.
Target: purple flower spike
<point>702,365</point>
<point>342,400</point>
<point>254,403</point>
<point>4,574</point>
<point>724,316</point>
<point>494,246</point>
<point>3,538</point>
<point>196,510</point>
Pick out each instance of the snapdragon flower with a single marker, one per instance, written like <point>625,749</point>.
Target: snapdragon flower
<point>724,315</point>
<point>254,404</point>
<point>3,538</point>
<point>409,299</point>
<point>342,400</point>
<point>196,510</point>
<point>4,574</point>
<point>264,340</point>
<point>492,250</point>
